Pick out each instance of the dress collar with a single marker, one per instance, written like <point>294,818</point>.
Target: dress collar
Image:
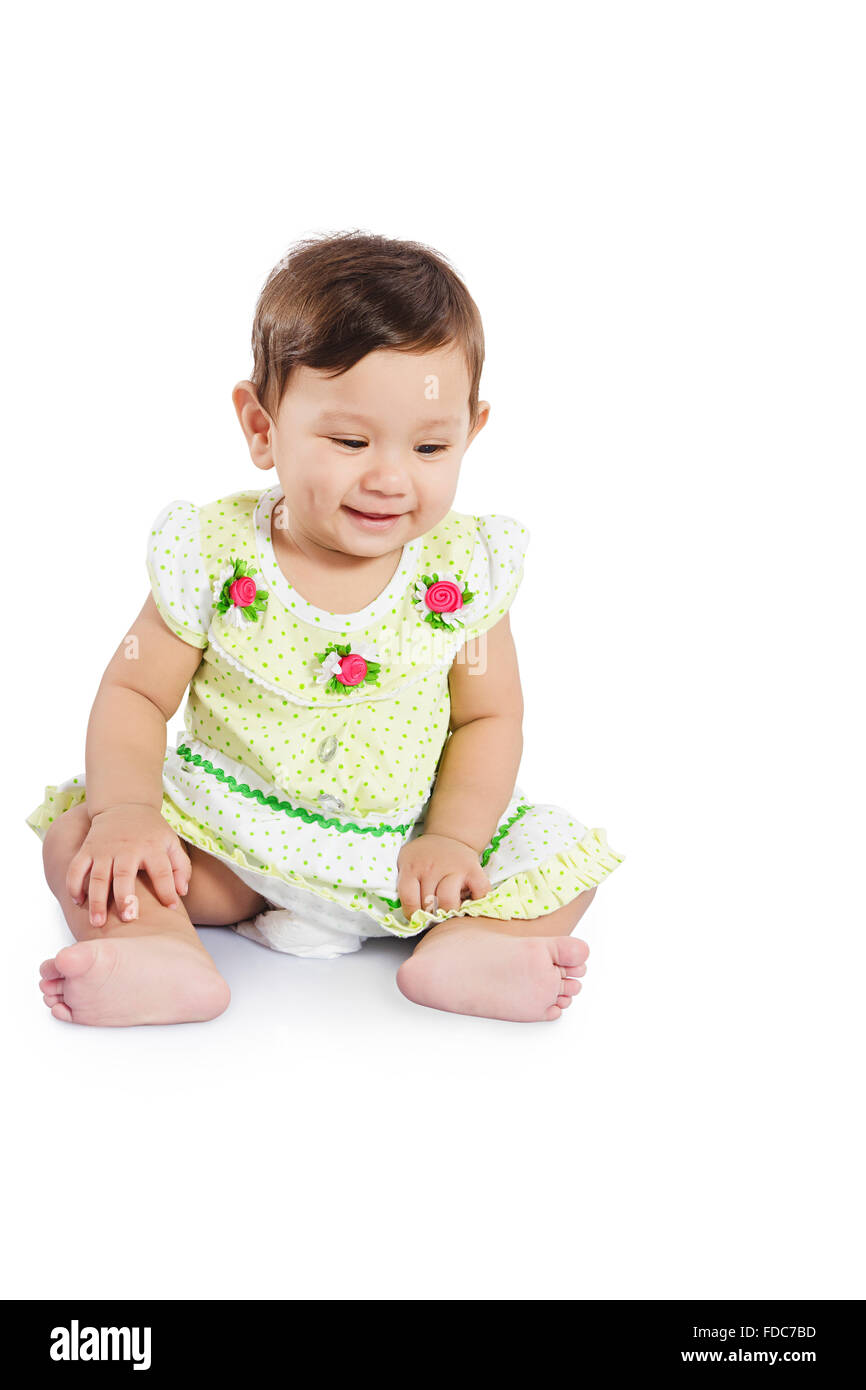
<point>277,582</point>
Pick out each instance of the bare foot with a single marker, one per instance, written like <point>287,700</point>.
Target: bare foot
<point>526,979</point>
<point>125,980</point>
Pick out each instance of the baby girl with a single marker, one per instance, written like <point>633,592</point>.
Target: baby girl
<point>353,716</point>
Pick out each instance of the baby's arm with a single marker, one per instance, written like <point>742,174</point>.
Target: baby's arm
<point>479,763</point>
<point>476,775</point>
<point>140,690</point>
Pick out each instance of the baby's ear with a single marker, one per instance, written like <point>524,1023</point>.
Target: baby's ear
<point>256,424</point>
<point>483,416</point>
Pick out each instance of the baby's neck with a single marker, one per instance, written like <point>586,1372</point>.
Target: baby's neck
<point>333,579</point>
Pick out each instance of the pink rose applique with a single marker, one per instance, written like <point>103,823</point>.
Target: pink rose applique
<point>437,595</point>
<point>237,595</point>
<point>443,596</point>
<point>343,665</point>
<point>353,669</point>
<point>242,591</point>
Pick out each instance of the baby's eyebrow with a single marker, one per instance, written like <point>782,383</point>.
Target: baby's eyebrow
<point>334,417</point>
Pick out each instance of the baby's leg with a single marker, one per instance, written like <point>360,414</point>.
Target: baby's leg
<point>153,969</point>
<point>522,970</point>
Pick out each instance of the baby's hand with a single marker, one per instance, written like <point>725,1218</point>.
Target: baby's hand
<point>435,866</point>
<point>121,840</point>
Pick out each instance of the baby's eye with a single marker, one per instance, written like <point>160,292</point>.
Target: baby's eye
<point>361,444</point>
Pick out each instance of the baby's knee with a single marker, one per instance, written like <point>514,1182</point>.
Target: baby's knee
<point>63,839</point>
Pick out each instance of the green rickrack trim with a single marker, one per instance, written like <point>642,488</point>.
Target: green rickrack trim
<point>329,822</point>
<point>502,832</point>
<point>255,794</point>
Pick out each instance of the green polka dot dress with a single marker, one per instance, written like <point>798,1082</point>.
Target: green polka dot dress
<point>312,738</point>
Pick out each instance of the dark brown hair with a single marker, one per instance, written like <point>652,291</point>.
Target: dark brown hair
<point>337,296</point>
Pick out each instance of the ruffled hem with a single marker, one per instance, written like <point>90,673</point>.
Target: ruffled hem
<point>531,893</point>
<point>60,799</point>
<point>55,802</point>
<point>190,829</point>
<point>549,885</point>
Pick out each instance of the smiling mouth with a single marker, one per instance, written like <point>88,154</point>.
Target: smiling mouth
<point>373,516</point>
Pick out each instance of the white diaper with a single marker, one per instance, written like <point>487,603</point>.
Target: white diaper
<point>283,931</point>
<point>302,923</point>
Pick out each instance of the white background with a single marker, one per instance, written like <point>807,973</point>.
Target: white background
<point>659,210</point>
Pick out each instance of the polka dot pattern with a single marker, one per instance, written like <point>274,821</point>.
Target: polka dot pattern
<point>298,787</point>
<point>177,574</point>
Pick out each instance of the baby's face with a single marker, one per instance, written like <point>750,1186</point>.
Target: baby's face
<point>384,440</point>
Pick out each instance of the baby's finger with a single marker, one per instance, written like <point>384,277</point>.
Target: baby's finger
<point>100,881</point>
<point>479,883</point>
<point>429,883</point>
<point>76,871</point>
<point>162,878</point>
<point>125,880</point>
<point>448,891</point>
<point>409,892</point>
<point>85,887</point>
<point>181,865</point>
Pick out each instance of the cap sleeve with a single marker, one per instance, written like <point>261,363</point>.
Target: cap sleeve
<point>179,579</point>
<point>495,570</point>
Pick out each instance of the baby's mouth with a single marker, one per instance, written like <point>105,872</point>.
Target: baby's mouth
<point>372,516</point>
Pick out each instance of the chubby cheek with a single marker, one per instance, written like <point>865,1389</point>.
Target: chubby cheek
<point>325,499</point>
<point>314,487</point>
<point>318,497</point>
<point>435,496</point>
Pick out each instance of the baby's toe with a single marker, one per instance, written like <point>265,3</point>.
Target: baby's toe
<point>76,960</point>
<point>62,1012</point>
<point>48,970</point>
<point>569,951</point>
<point>569,987</point>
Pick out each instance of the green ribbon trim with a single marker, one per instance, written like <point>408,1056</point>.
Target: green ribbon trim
<point>329,822</point>
<point>502,832</point>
